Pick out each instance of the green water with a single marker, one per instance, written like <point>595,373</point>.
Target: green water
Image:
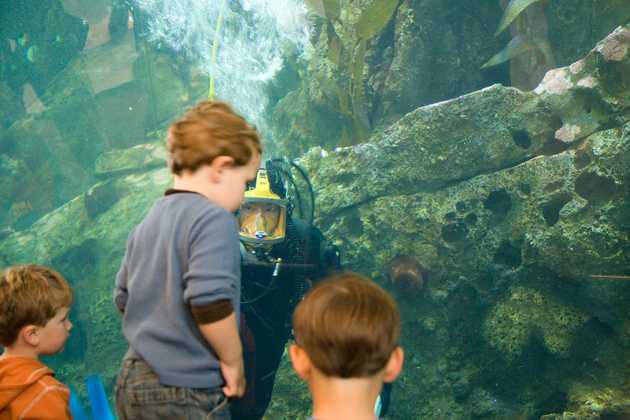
<point>508,202</point>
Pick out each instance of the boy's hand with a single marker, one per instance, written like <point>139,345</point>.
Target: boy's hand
<point>234,375</point>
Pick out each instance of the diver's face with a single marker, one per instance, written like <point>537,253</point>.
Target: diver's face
<point>259,219</point>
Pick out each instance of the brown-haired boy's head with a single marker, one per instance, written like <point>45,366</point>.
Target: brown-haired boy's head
<point>32,297</point>
<point>349,327</point>
<point>207,131</point>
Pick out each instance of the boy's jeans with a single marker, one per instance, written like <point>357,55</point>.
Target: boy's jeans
<point>139,395</point>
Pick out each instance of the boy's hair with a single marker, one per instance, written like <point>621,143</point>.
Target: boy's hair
<point>348,325</point>
<point>30,295</point>
<point>208,130</point>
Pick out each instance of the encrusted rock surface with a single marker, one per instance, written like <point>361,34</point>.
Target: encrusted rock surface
<point>512,323</point>
<point>103,100</point>
<point>139,158</point>
<point>479,133</point>
<point>85,240</point>
<point>511,201</point>
<point>429,51</point>
<point>508,217</point>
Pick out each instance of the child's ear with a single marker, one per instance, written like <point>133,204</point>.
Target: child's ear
<point>223,162</point>
<point>218,165</point>
<point>30,335</point>
<point>300,361</point>
<point>394,365</point>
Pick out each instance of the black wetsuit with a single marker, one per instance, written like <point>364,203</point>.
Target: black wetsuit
<point>267,308</point>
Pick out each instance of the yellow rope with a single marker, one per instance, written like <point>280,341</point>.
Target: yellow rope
<point>215,47</point>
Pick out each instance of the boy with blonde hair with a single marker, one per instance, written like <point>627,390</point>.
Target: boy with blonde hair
<point>34,306</point>
<point>179,283</point>
<point>346,346</point>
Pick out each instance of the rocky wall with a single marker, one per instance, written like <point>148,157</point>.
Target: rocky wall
<point>508,217</point>
<point>509,202</point>
<point>428,51</point>
<point>106,98</point>
<point>85,240</point>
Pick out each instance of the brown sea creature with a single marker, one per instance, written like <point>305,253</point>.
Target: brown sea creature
<point>407,275</point>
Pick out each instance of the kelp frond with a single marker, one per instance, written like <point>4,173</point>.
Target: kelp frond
<point>514,8</point>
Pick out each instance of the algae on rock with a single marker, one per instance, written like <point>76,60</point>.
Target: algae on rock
<point>514,321</point>
<point>510,216</point>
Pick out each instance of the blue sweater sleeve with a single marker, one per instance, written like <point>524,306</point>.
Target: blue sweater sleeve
<point>120,288</point>
<point>213,258</point>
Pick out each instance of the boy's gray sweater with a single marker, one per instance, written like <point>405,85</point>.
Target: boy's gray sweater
<point>184,253</point>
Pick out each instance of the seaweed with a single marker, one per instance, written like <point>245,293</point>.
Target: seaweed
<point>520,44</point>
<point>517,46</point>
<point>335,46</point>
<point>360,119</point>
<point>350,94</point>
<point>328,9</point>
<point>512,11</point>
<point>375,18</point>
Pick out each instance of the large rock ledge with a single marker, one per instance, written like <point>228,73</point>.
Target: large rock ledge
<point>567,212</point>
<point>482,132</point>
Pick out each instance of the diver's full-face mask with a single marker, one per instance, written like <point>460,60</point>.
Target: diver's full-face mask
<point>263,215</point>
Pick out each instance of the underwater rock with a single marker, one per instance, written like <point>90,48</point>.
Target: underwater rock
<point>37,149</point>
<point>569,20</point>
<point>101,198</point>
<point>122,111</point>
<point>70,225</point>
<point>5,233</point>
<point>528,225</point>
<point>407,275</point>
<point>589,94</point>
<point>425,52</point>
<point>11,106</point>
<point>514,321</point>
<point>529,68</point>
<point>69,236</point>
<point>139,158</point>
<point>298,122</point>
<point>180,85</point>
<point>587,402</point>
<point>431,50</point>
<point>477,133</point>
<point>514,219</point>
<point>102,99</point>
<point>437,55</point>
<point>486,405</point>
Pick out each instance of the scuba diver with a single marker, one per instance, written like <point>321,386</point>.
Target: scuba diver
<point>283,255</point>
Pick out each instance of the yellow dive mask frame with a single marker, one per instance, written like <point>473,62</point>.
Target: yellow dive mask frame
<point>252,224</point>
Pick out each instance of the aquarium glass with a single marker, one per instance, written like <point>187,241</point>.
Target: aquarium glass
<point>471,157</point>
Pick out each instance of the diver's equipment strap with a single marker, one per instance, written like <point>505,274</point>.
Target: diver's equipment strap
<point>269,287</point>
